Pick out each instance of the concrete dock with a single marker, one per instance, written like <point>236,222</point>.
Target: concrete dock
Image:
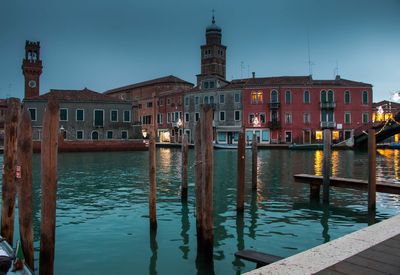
<point>372,250</point>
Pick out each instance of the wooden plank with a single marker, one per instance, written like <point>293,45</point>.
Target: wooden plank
<point>25,188</point>
<point>257,257</point>
<point>241,168</point>
<point>372,264</point>
<point>384,187</point>
<point>10,157</point>
<point>49,187</point>
<point>254,163</point>
<point>185,146</point>
<point>350,268</point>
<point>371,169</point>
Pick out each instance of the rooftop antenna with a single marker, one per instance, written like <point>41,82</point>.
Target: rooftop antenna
<point>213,18</point>
<point>336,70</point>
<point>310,63</point>
<point>241,69</point>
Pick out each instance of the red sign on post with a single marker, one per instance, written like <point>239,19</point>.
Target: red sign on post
<point>18,172</point>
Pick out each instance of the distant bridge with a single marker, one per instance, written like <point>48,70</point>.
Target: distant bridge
<point>383,130</point>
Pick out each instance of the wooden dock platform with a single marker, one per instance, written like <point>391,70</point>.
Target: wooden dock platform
<point>372,250</point>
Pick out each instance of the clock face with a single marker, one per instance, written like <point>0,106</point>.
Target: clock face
<point>32,83</point>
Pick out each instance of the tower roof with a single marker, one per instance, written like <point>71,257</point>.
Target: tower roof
<point>213,27</point>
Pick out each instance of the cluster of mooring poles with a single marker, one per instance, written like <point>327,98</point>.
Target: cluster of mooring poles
<point>17,178</point>
<point>204,172</point>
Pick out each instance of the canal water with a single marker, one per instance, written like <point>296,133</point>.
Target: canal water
<point>102,210</point>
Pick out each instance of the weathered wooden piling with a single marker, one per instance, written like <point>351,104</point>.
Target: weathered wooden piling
<point>326,167</point>
<point>49,186</point>
<point>371,169</point>
<point>199,183</point>
<point>24,187</point>
<point>152,168</point>
<point>254,163</point>
<point>184,189</point>
<point>241,168</point>
<point>208,174</point>
<point>9,168</point>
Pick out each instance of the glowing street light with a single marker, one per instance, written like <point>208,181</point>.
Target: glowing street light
<point>256,122</point>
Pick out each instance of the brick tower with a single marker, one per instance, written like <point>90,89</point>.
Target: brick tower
<point>213,54</point>
<point>32,68</point>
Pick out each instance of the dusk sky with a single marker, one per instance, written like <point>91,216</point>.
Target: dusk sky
<point>104,44</point>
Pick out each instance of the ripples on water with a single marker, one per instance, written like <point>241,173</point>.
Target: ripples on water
<point>102,209</point>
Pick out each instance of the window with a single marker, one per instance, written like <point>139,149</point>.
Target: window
<point>260,97</point>
<point>124,134</point>
<point>319,135</point>
<point>160,118</point>
<point>306,97</point>
<point>237,98</point>
<point>32,111</point>
<point>98,119</point>
<point>365,118</point>
<point>79,134</point>
<point>330,96</point>
<point>288,97</point>
<point>161,102</point>
<point>262,118</point>
<point>365,97</point>
<point>63,114</point>
<point>335,135</point>
<point>211,99</point>
<point>237,115</point>
<point>197,116</point>
<point>251,118</point>
<point>274,96</point>
<point>168,117</point>
<point>80,115</point>
<point>196,100</point>
<point>127,116</point>
<point>288,118</point>
<point>114,116</point>
<point>187,117</point>
<point>206,100</point>
<point>256,97</point>
<point>221,99</point>
<point>288,136</point>
<point>168,101</point>
<point>212,84</point>
<point>222,137</point>
<point>205,84</point>
<point>222,116</point>
<point>109,134</point>
<point>323,96</point>
<point>187,101</point>
<point>307,118</point>
<point>149,104</point>
<point>146,119</point>
<point>347,97</point>
<point>347,118</point>
<point>95,135</point>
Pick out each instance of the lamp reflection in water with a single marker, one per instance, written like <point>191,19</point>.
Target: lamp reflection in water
<point>318,159</point>
<point>335,163</point>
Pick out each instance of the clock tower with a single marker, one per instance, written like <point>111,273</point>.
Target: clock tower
<point>32,68</point>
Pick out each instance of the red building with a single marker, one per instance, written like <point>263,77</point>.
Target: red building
<point>295,109</point>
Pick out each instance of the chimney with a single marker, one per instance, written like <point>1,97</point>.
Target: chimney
<point>254,74</point>
<point>337,77</point>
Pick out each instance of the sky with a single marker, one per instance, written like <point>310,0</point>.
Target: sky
<point>105,44</point>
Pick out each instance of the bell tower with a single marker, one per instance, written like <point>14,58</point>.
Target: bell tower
<point>32,68</point>
<point>213,54</point>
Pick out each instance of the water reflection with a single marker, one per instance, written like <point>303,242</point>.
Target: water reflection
<point>253,216</point>
<point>154,251</point>
<point>184,232</point>
<point>335,163</point>
<point>318,159</point>
<point>240,241</point>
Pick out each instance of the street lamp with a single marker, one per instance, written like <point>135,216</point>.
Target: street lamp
<point>144,133</point>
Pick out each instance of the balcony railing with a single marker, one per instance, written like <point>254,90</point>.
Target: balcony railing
<point>328,124</point>
<point>327,105</point>
<point>274,124</point>
<point>274,105</point>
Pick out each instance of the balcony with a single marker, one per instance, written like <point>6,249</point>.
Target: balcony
<point>274,105</point>
<point>274,124</point>
<point>327,105</point>
<point>328,124</point>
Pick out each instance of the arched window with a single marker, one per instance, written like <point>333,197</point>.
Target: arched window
<point>95,135</point>
<point>288,97</point>
<point>330,96</point>
<point>365,97</point>
<point>306,97</point>
<point>347,97</point>
<point>211,99</point>
<point>260,97</point>
<point>323,96</point>
<point>274,96</point>
<point>206,100</point>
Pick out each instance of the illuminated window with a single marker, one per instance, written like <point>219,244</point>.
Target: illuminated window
<point>318,135</point>
<point>253,97</point>
<point>259,97</point>
<point>335,135</point>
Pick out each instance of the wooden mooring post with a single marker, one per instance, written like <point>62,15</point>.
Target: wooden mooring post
<point>9,169</point>
<point>153,168</point>
<point>326,167</point>
<point>184,189</point>
<point>254,163</point>
<point>241,168</point>
<point>204,184</point>
<point>24,187</point>
<point>49,187</point>
<point>371,169</point>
